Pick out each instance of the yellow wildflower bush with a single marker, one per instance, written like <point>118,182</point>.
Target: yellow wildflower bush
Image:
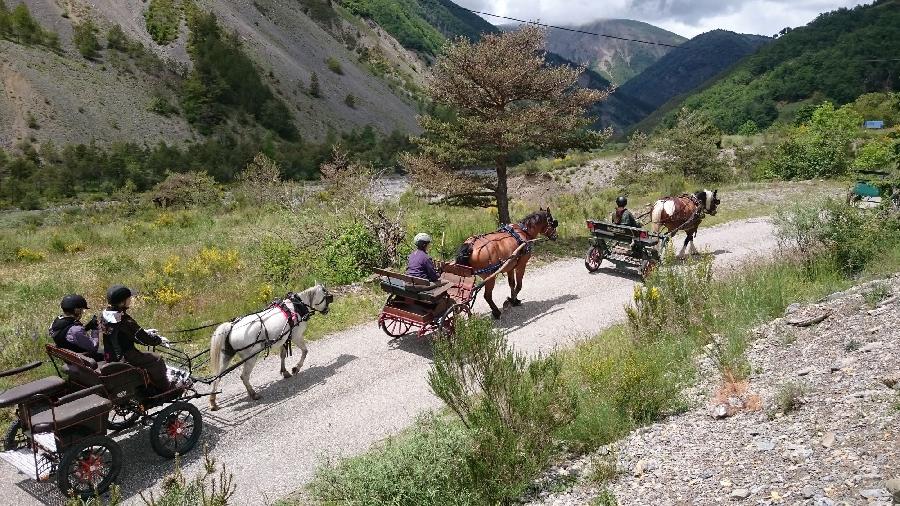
<point>30,255</point>
<point>213,262</point>
<point>167,295</point>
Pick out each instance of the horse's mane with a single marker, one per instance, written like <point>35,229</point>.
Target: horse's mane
<point>533,219</point>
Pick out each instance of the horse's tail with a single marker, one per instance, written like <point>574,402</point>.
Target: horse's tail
<point>217,344</point>
<point>464,254</point>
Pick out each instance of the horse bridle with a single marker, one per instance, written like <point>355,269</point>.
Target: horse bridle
<point>327,299</point>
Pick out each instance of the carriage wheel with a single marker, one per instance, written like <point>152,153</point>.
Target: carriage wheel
<point>447,323</point>
<point>176,429</point>
<point>122,417</point>
<point>14,438</point>
<point>594,259</point>
<point>89,467</point>
<point>394,327</point>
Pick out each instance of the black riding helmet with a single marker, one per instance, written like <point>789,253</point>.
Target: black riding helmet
<point>621,201</point>
<point>72,302</point>
<point>117,294</point>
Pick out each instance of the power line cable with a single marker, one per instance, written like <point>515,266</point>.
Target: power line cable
<point>563,28</point>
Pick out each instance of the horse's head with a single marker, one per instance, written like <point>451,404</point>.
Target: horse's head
<point>318,298</point>
<point>541,222</point>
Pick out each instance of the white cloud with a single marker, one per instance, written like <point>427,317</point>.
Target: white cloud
<point>685,17</point>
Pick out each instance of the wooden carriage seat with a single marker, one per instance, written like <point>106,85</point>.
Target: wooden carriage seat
<point>119,379</point>
<point>50,387</point>
<point>85,407</point>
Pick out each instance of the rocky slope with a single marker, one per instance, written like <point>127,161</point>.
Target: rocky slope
<point>616,60</point>
<point>72,99</point>
<point>837,446</point>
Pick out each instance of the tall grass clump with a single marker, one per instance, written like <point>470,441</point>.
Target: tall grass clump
<point>510,405</point>
<point>426,466</point>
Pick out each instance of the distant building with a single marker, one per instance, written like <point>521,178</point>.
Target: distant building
<point>874,125</point>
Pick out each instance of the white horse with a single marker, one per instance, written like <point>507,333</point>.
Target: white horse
<point>250,334</point>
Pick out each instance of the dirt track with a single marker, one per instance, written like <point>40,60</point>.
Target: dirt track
<point>355,390</point>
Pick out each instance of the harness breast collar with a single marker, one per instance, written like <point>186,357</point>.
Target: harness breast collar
<point>515,235</point>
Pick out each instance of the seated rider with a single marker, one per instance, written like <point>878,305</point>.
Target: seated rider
<point>121,333</point>
<point>68,333</point>
<point>420,264</point>
<point>623,216</point>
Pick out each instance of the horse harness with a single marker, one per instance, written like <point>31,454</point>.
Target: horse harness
<point>293,319</point>
<point>696,217</point>
<point>490,269</point>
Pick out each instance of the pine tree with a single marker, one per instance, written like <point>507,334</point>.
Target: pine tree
<point>85,39</point>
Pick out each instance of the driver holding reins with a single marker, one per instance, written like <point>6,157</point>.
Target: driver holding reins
<point>420,263</point>
<point>121,333</point>
<point>623,216</point>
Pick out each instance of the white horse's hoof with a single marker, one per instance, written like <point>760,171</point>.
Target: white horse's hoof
<point>214,408</point>
<point>255,396</point>
<point>285,374</point>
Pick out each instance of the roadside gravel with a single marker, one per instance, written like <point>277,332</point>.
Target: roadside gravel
<point>356,390</point>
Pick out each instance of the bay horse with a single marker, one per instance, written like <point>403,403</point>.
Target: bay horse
<point>282,323</point>
<point>684,213</point>
<point>506,251</point>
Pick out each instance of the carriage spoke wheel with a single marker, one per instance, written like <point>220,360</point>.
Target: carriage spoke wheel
<point>89,467</point>
<point>593,259</point>
<point>176,429</point>
<point>122,417</point>
<point>14,438</point>
<point>448,322</point>
<point>395,327</point>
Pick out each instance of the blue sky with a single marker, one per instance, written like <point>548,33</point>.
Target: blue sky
<point>685,17</point>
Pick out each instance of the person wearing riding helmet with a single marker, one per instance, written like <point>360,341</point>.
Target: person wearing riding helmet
<point>68,333</point>
<point>420,263</point>
<point>121,334</point>
<point>623,216</point>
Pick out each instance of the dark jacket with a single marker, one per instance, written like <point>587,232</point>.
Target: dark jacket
<point>70,334</point>
<point>121,333</point>
<point>625,218</point>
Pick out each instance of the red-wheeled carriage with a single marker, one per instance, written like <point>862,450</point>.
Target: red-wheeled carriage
<point>416,304</point>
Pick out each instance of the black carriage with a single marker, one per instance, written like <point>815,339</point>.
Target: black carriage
<point>629,248</point>
<point>64,423</point>
<point>418,304</point>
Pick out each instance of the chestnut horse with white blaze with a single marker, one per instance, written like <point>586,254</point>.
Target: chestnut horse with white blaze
<point>684,213</point>
<point>506,251</point>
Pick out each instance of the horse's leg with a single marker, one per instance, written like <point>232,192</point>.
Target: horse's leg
<point>511,300</point>
<point>488,291</point>
<point>520,274</point>
<point>283,354</point>
<point>303,351</point>
<point>693,246</point>
<point>684,247</point>
<point>245,377</point>
<point>224,359</point>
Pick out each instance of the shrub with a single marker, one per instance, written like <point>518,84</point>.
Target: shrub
<point>789,397</point>
<point>278,260</point>
<point>60,244</point>
<point>162,19</point>
<point>878,154</point>
<point>116,39</point>
<point>691,148</point>
<point>213,486</point>
<point>185,190</point>
<point>334,65</point>
<point>315,89</point>
<point>85,39</point>
<point>510,405</point>
<point>30,256</point>
<point>820,148</point>
<point>426,466</point>
<point>352,255</point>
<point>350,101</point>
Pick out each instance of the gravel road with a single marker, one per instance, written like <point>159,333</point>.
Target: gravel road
<point>356,390</point>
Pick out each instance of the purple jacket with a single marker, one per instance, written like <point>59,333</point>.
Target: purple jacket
<point>421,266</point>
<point>76,338</point>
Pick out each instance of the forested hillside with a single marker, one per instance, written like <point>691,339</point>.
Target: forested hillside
<point>839,56</point>
<point>692,64</point>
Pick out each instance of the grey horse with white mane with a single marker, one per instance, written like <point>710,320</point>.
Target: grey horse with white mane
<point>281,324</point>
